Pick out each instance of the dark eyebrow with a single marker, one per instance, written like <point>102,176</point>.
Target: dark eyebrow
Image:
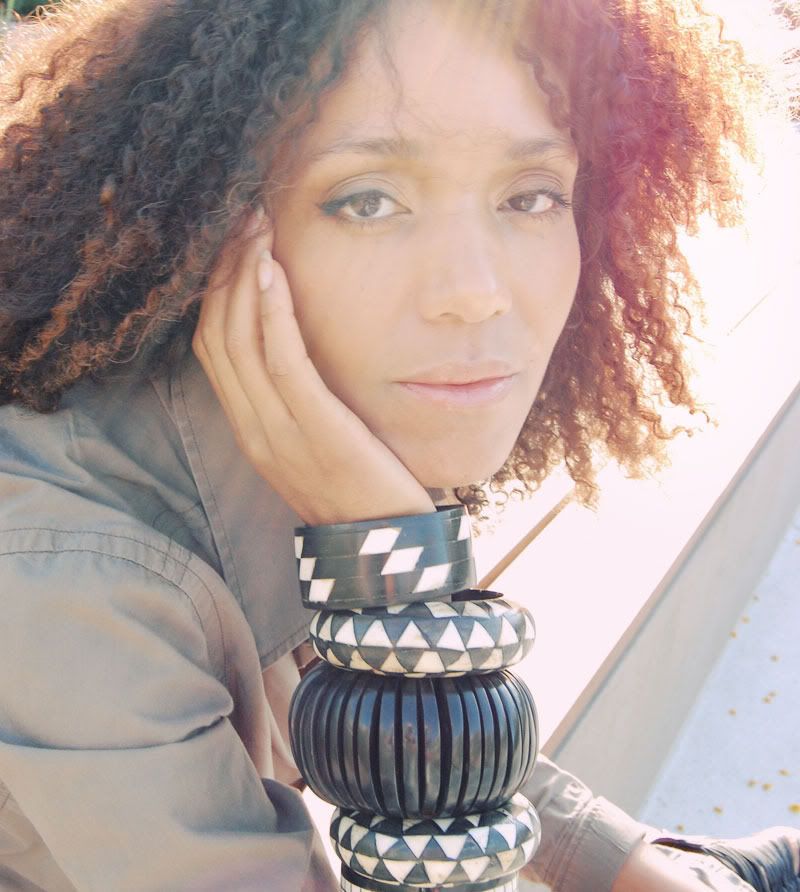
<point>536,148</point>
<point>396,146</point>
<point>399,147</point>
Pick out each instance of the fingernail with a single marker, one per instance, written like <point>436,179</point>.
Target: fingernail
<point>265,270</point>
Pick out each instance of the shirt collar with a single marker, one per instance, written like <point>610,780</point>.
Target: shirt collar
<point>252,526</point>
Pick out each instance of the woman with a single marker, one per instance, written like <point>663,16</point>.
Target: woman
<point>413,246</point>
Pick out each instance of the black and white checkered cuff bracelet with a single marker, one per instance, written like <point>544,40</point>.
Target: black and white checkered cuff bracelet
<point>383,562</point>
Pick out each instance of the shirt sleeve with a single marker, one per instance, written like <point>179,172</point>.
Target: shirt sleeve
<point>585,838</point>
<point>116,739</point>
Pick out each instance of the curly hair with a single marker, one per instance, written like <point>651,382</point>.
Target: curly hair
<point>136,138</point>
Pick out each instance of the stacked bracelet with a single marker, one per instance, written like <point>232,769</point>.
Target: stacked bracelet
<point>411,724</point>
<point>424,638</point>
<point>380,562</point>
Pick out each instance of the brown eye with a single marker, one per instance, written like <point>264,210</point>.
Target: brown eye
<point>367,205</point>
<point>532,202</point>
<point>362,206</point>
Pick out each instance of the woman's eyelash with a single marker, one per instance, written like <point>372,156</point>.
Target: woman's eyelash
<point>334,207</point>
<point>561,199</point>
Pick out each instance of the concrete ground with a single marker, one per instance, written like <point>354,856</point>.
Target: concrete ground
<point>734,768</point>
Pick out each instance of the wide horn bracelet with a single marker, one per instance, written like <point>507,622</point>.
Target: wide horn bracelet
<point>412,724</point>
<point>380,562</point>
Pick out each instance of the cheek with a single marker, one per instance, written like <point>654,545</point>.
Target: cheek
<point>549,281</point>
<point>336,310</point>
<point>565,266</point>
<point>572,263</point>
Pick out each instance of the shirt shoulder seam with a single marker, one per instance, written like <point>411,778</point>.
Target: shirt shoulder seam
<point>165,554</point>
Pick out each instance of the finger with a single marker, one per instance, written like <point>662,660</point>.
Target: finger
<point>202,340</point>
<point>244,349</point>
<point>211,375</point>
<point>200,346</point>
<point>211,323</point>
<point>209,342</point>
<point>228,268</point>
<point>292,373</point>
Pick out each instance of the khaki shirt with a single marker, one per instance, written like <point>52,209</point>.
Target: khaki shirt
<point>147,658</point>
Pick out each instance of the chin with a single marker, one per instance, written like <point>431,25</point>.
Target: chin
<point>450,471</point>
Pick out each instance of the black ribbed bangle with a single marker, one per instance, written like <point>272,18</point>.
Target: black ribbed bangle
<point>388,561</point>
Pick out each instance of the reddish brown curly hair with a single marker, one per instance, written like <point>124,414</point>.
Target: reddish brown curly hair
<point>136,138</point>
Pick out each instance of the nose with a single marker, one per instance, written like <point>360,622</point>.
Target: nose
<point>460,274</point>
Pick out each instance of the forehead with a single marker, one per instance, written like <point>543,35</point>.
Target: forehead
<point>434,73</point>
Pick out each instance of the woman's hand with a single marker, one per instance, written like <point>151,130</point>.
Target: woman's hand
<point>768,861</point>
<point>318,455</point>
<point>651,868</point>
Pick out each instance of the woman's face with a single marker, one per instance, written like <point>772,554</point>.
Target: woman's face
<point>428,240</point>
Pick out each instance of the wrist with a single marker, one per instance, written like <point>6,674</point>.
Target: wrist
<point>327,516</point>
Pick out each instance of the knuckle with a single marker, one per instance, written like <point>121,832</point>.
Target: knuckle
<point>251,439</point>
<point>235,346</point>
<point>276,307</point>
<point>300,468</point>
<point>271,314</point>
<point>278,366</point>
<point>286,364</point>
<point>200,347</point>
<point>260,454</point>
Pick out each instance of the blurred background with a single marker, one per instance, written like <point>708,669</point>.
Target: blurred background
<point>20,7</point>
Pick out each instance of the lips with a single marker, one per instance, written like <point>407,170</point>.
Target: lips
<point>461,373</point>
<point>470,394</point>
